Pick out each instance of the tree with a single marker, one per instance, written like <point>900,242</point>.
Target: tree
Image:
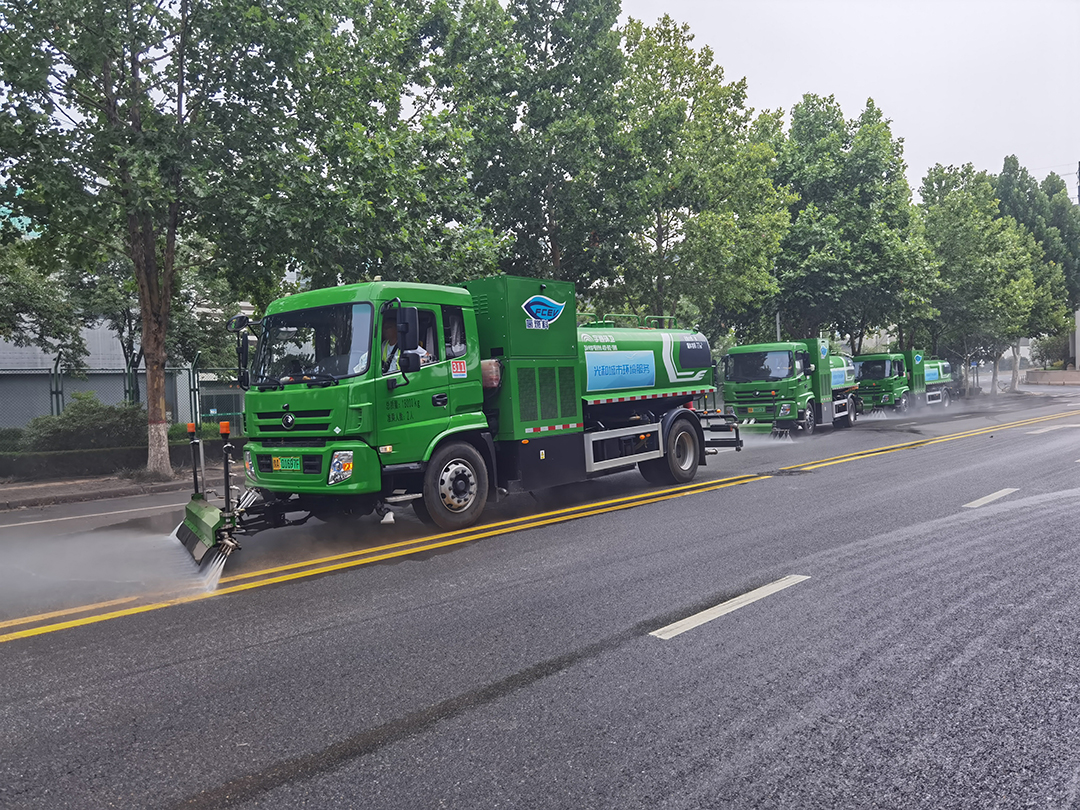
<point>708,221</point>
<point>849,260</point>
<point>277,131</point>
<point>545,155</point>
<point>35,308</point>
<point>995,287</point>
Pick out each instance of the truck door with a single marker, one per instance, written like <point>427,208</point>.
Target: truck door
<point>416,411</point>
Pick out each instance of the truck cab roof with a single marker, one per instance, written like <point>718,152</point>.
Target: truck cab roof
<point>373,291</point>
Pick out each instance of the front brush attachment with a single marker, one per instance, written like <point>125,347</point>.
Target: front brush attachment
<point>200,530</point>
<point>207,528</point>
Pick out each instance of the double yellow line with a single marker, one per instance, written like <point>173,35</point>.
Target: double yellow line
<point>353,559</point>
<point>339,562</point>
<point>880,451</point>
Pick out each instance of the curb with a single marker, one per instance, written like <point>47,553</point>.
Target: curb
<point>77,496</point>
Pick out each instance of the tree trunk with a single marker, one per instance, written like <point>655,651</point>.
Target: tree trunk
<point>994,377</point>
<point>1014,382</point>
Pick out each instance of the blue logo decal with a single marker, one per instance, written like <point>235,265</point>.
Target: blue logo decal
<point>824,351</point>
<point>542,311</point>
<point>918,359</point>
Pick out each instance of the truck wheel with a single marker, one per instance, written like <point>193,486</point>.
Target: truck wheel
<point>809,419</point>
<point>680,462</point>
<point>455,487</point>
<point>904,404</point>
<point>422,514</point>
<point>946,400</point>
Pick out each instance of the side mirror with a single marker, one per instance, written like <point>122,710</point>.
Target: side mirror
<point>408,329</point>
<point>409,362</point>
<point>237,323</point>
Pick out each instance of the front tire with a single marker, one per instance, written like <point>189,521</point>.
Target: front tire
<point>946,399</point>
<point>809,419</point>
<point>681,453</point>
<point>455,487</point>
<point>904,405</point>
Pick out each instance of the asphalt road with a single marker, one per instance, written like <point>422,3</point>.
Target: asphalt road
<point>926,660</point>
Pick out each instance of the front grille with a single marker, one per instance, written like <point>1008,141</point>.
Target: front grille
<point>753,395</point>
<point>297,428</point>
<point>299,441</point>
<point>298,414</point>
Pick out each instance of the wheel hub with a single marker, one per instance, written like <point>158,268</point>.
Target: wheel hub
<point>457,485</point>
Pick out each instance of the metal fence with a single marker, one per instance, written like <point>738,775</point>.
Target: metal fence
<point>192,394</point>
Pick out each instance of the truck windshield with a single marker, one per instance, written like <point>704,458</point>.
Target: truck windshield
<point>757,366</point>
<point>872,369</point>
<point>324,343</point>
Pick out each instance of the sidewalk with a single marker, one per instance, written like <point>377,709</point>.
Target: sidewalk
<point>25,494</point>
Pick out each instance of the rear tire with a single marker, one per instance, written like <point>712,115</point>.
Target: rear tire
<point>946,398</point>
<point>848,420</point>
<point>455,487</point>
<point>680,462</point>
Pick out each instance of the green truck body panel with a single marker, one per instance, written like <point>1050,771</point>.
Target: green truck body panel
<point>775,382</point>
<point>886,377</point>
<point>553,375</point>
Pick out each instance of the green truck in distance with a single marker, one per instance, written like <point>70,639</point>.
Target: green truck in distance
<point>488,389</point>
<point>790,384</point>
<point>903,380</point>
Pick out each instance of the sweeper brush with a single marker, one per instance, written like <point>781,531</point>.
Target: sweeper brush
<point>207,531</point>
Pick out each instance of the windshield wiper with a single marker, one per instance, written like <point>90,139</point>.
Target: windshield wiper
<point>319,379</point>
<point>262,382</point>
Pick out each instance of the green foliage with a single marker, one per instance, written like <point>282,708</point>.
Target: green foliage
<point>707,220</point>
<point>206,430</point>
<point>85,424</point>
<point>852,254</point>
<point>35,306</point>
<point>546,156</point>
<point>1052,350</point>
<point>10,439</point>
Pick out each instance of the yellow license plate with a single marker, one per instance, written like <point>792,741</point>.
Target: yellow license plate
<point>285,463</point>
<point>755,410</point>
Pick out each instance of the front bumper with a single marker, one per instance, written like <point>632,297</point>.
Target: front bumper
<point>307,470</point>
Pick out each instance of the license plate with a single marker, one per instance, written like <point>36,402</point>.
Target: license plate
<point>285,462</point>
<point>755,410</point>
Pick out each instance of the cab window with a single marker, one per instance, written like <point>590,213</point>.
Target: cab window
<point>454,332</point>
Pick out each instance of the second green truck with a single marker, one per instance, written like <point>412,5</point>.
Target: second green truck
<point>790,384</point>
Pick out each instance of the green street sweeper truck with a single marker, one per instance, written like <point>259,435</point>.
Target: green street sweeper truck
<point>365,396</point>
<point>903,380</point>
<point>790,384</point>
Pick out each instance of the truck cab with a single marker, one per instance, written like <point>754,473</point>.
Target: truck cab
<point>790,384</point>
<point>903,380</point>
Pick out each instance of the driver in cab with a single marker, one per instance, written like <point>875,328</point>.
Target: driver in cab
<point>389,354</point>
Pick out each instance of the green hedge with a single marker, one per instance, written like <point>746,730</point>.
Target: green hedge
<point>103,461</point>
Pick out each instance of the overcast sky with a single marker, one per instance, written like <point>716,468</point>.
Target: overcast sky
<point>963,81</point>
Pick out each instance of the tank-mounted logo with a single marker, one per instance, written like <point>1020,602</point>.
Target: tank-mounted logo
<point>542,312</point>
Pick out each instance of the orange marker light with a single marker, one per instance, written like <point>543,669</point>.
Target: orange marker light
<point>224,426</point>
<point>190,427</point>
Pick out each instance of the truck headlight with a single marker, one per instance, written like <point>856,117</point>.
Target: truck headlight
<point>785,409</point>
<point>340,467</point>
<point>884,397</point>
<point>249,462</point>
